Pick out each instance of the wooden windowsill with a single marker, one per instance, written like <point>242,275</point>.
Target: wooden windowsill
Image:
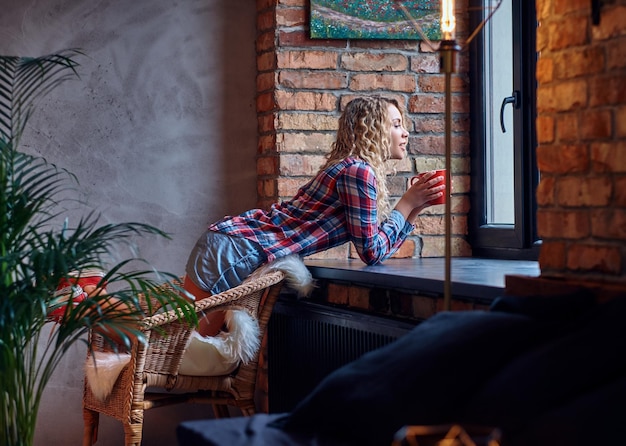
<point>472,278</point>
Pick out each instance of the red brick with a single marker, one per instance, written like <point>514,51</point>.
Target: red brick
<point>266,62</point>
<point>323,80</point>
<point>545,191</point>
<point>338,294</point>
<point>298,3</point>
<point>609,156</point>
<point>615,55</point>
<point>359,297</point>
<point>299,165</point>
<point>407,250</point>
<point>306,121</point>
<point>545,70</point>
<point>267,123</point>
<point>348,97</point>
<point>305,100</point>
<point>552,255</point>
<point>596,259</point>
<point>339,252</point>
<point>288,186</point>
<point>300,38</point>
<point>262,5</point>
<point>436,124</point>
<point>429,124</point>
<point>543,8</point>
<point>577,191</point>
<point>563,96</point>
<point>265,81</point>
<point>312,142</point>
<point>568,32</point>
<point>562,224</point>
<point>265,102</point>
<point>609,223</point>
<point>392,82</point>
<point>545,129</point>
<point>425,63</point>
<point>267,188</point>
<point>267,165</point>
<point>427,145</point>
<point>265,41</point>
<point>611,23</point>
<point>423,307</point>
<point>543,38</point>
<point>427,103</point>
<point>430,225</point>
<point>620,121</point>
<point>596,124</point>
<point>563,158</point>
<point>313,60</point>
<point>265,21</point>
<point>563,7</point>
<point>375,45</point>
<point>286,17</point>
<point>567,127</point>
<point>423,144</point>
<point>436,84</point>
<point>620,192</point>
<point>388,62</point>
<point>607,90</point>
<point>434,246</point>
<point>266,144</point>
<point>578,62</point>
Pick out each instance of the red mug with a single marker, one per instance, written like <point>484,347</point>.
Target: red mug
<point>438,173</point>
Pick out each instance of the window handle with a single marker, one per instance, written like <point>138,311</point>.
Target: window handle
<point>515,100</point>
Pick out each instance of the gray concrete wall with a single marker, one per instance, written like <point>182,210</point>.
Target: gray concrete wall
<point>160,128</point>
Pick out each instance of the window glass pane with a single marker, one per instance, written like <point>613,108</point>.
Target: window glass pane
<point>498,79</point>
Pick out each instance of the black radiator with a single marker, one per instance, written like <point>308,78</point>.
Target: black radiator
<point>307,341</point>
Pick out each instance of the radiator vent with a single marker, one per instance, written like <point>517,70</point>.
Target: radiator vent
<point>307,341</point>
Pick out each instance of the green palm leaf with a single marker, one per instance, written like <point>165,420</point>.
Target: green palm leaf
<point>39,247</point>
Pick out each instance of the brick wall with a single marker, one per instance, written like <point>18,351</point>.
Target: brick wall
<point>581,130</point>
<point>302,87</point>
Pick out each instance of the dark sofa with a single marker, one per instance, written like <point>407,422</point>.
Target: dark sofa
<point>543,371</point>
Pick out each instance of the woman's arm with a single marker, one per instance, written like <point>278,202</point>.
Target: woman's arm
<point>357,191</point>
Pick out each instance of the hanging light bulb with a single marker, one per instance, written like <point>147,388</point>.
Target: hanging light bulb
<point>448,49</point>
<point>448,20</point>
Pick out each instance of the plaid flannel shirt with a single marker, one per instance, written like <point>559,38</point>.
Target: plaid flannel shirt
<point>337,206</point>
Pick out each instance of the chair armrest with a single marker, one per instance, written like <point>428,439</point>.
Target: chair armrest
<point>217,300</point>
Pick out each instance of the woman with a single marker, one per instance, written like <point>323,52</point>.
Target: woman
<point>347,201</point>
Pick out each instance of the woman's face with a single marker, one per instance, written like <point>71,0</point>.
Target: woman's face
<point>399,135</point>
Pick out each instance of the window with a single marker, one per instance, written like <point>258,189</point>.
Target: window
<point>504,168</point>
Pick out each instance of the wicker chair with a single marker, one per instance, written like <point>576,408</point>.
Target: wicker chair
<point>155,364</point>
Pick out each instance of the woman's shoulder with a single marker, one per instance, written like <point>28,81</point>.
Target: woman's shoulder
<point>353,163</point>
<point>352,169</point>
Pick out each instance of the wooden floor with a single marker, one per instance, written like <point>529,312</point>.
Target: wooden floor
<point>470,277</point>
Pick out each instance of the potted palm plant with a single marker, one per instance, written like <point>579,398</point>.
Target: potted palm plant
<point>40,247</point>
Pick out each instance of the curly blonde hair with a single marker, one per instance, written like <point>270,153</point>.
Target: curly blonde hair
<point>364,133</point>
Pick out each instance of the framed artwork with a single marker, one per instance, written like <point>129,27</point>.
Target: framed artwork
<point>374,19</point>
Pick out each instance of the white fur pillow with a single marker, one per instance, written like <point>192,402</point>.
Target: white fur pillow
<point>221,354</point>
<point>102,370</point>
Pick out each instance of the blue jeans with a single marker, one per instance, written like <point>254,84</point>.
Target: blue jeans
<point>219,262</point>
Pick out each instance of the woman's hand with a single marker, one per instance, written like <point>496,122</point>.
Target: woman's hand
<point>419,195</point>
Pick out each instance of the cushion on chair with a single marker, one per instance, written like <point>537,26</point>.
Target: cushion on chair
<point>221,354</point>
<point>102,370</point>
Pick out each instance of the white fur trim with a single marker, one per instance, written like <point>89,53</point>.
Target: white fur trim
<point>297,275</point>
<point>221,354</point>
<point>102,370</point>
